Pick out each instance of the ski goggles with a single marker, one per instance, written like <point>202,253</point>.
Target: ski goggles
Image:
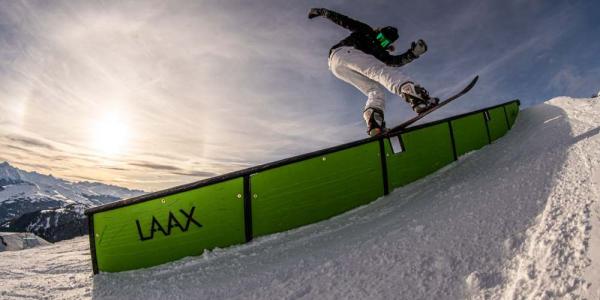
<point>383,41</point>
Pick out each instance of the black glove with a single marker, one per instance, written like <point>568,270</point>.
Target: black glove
<point>418,48</point>
<point>315,12</point>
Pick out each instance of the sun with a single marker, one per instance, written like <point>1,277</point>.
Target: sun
<point>110,135</point>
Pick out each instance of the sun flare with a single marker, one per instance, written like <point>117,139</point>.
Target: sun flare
<point>110,135</point>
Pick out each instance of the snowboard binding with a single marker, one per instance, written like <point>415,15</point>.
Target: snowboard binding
<point>418,97</point>
<point>375,121</point>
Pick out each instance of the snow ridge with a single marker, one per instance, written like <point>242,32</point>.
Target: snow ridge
<point>557,251</point>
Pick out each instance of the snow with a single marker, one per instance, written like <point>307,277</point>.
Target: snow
<point>518,219</point>
<point>7,172</point>
<point>14,241</point>
<point>59,271</point>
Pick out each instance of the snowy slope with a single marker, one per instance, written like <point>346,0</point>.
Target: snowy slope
<point>515,220</point>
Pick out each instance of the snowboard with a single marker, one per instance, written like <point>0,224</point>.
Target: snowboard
<point>442,103</point>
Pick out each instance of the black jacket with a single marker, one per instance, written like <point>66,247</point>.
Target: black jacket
<point>363,38</point>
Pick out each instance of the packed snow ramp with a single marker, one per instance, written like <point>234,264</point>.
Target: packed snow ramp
<point>234,208</point>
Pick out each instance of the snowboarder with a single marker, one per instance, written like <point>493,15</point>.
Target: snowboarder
<point>364,60</point>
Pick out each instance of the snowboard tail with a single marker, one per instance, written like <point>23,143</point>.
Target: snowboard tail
<point>442,103</point>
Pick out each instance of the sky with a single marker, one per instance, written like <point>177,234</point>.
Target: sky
<point>153,94</point>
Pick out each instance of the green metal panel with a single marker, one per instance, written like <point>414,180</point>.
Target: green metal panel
<point>470,133</point>
<point>497,123</point>
<point>305,192</point>
<point>172,227</point>
<point>425,150</point>
<point>512,110</point>
<point>167,226</point>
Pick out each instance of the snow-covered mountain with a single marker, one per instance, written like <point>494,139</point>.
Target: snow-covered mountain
<point>23,192</point>
<point>53,225</point>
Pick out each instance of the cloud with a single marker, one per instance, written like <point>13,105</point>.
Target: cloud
<point>114,168</point>
<point>572,82</point>
<point>36,153</point>
<point>222,85</point>
<point>30,142</point>
<point>196,173</point>
<point>42,166</point>
<point>174,170</point>
<point>155,166</point>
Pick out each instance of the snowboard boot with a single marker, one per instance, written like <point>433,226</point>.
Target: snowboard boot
<point>417,97</point>
<point>375,122</point>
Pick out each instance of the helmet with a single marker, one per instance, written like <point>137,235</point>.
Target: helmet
<point>386,36</point>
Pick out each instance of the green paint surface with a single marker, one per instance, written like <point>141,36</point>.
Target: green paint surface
<point>425,150</point>
<point>512,110</point>
<point>218,208</point>
<point>285,197</point>
<point>497,123</point>
<point>470,133</point>
<point>315,189</point>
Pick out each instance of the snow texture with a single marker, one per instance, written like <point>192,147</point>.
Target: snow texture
<point>518,219</point>
<point>14,241</point>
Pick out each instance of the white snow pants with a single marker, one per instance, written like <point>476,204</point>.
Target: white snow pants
<point>366,73</point>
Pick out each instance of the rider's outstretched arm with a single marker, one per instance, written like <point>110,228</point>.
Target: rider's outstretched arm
<point>339,19</point>
<point>399,60</point>
<point>417,49</point>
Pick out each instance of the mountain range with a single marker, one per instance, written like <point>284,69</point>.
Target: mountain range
<point>50,207</point>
